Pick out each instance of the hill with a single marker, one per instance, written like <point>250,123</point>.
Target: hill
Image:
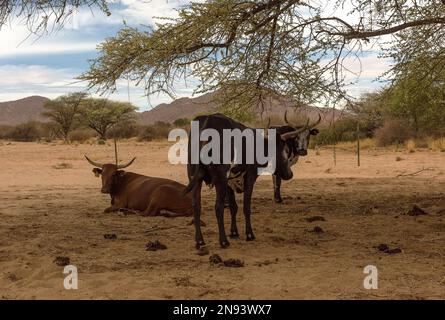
<point>23,110</point>
<point>30,109</point>
<point>190,107</point>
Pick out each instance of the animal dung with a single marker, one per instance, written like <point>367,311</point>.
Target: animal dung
<point>416,211</point>
<point>230,263</point>
<point>62,261</point>
<point>385,248</point>
<point>155,246</point>
<point>317,230</point>
<point>110,236</point>
<point>215,259</point>
<point>233,263</point>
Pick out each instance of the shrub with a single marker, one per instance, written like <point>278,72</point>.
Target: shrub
<point>124,131</point>
<point>159,130</point>
<point>81,135</point>
<point>392,132</point>
<point>29,131</point>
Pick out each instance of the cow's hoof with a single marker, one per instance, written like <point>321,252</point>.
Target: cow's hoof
<point>250,237</point>
<point>278,200</point>
<point>224,244</point>
<point>234,235</point>
<point>200,244</point>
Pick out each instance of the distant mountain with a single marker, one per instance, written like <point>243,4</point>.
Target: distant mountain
<point>23,110</point>
<point>31,108</point>
<point>190,107</point>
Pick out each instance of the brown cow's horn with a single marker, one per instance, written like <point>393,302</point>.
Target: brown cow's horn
<point>94,163</point>
<point>316,123</point>
<point>122,166</point>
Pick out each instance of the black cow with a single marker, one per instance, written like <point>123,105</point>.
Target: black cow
<point>300,146</point>
<point>218,174</point>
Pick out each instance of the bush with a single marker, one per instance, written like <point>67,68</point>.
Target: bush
<point>124,131</point>
<point>81,135</point>
<point>29,131</point>
<point>159,130</point>
<point>5,132</point>
<point>181,122</point>
<point>392,132</point>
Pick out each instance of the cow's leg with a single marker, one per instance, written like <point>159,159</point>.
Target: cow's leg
<point>113,208</point>
<point>221,191</point>
<point>249,182</point>
<point>152,209</point>
<point>233,211</point>
<point>277,189</point>
<point>196,204</point>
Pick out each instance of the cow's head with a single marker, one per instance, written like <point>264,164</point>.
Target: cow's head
<point>109,172</point>
<point>301,135</point>
<point>291,144</point>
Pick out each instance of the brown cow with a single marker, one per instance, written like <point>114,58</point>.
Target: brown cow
<point>152,196</point>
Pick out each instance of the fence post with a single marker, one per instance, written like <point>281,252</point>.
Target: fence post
<point>358,144</point>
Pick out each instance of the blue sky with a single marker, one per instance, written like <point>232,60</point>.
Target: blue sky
<point>47,66</point>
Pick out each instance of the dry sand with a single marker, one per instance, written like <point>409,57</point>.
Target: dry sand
<point>48,210</point>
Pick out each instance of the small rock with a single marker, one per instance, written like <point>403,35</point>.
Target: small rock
<point>155,246</point>
<point>62,261</point>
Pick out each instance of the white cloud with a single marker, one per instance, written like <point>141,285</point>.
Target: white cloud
<point>18,75</point>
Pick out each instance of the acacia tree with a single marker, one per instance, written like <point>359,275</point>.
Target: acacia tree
<point>254,49</point>
<point>63,112</point>
<point>102,114</point>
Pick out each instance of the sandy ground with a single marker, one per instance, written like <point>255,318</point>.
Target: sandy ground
<point>47,212</point>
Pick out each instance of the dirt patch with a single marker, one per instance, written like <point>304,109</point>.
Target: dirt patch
<point>46,213</point>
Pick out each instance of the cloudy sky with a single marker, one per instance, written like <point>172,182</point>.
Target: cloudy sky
<point>47,66</point>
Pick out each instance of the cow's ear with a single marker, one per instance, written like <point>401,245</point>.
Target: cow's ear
<point>97,172</point>
<point>314,132</point>
<point>120,173</point>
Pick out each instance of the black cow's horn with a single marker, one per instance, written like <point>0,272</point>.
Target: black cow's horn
<point>295,133</point>
<point>285,118</point>
<point>94,163</point>
<point>122,166</point>
<point>316,123</point>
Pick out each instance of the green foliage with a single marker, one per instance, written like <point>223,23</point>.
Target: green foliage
<point>181,122</point>
<point>102,114</point>
<point>159,130</point>
<point>249,48</point>
<point>63,113</point>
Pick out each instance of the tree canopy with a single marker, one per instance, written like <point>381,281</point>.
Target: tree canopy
<point>252,49</point>
<point>102,114</point>
<point>64,111</point>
